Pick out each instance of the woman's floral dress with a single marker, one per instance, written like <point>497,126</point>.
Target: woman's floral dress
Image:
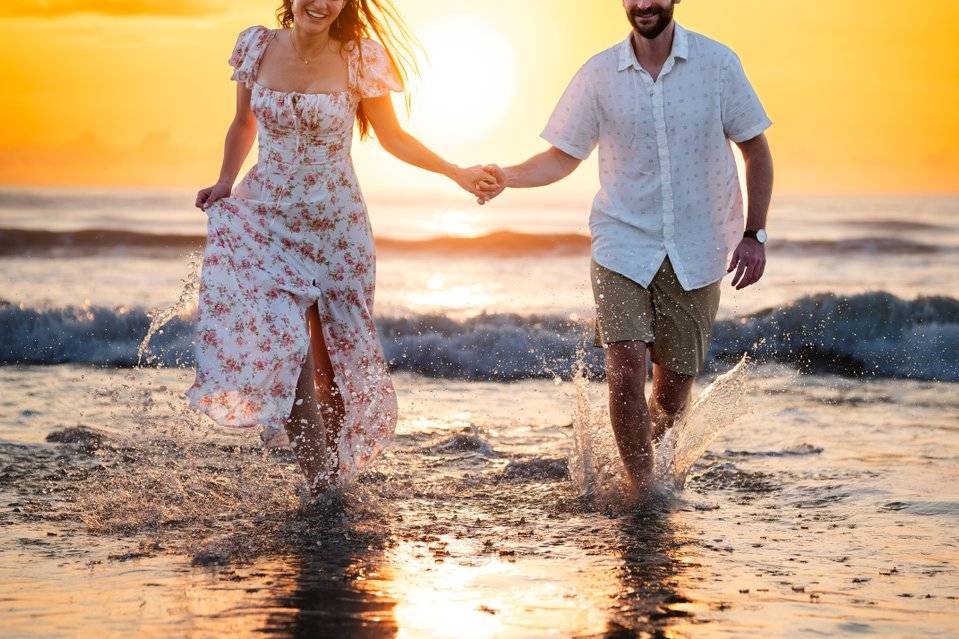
<point>295,232</point>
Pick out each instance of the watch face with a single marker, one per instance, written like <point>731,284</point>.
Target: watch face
<point>761,235</point>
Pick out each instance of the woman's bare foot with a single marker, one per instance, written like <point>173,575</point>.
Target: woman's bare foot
<point>320,484</point>
<point>333,417</point>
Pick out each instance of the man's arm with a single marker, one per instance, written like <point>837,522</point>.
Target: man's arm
<point>759,179</point>
<point>548,167</point>
<point>749,258</point>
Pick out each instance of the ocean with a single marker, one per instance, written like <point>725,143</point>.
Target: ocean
<point>812,491</point>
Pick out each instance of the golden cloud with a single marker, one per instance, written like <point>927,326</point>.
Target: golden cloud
<point>119,8</point>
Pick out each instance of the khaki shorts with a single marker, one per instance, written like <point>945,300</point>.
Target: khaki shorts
<point>678,323</point>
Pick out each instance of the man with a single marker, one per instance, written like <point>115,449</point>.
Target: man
<point>662,106</point>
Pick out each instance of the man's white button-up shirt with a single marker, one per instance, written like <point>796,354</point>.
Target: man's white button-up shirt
<point>669,184</point>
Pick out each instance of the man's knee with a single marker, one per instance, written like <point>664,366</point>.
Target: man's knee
<point>626,365</point>
<point>672,391</point>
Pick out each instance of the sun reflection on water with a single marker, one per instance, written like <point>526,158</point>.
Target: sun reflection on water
<point>492,596</point>
<point>443,291</point>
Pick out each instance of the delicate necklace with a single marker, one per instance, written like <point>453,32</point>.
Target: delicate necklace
<point>296,49</point>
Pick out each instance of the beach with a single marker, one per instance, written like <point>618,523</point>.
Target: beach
<point>825,502</point>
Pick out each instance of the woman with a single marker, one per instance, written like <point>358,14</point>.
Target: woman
<point>285,336</point>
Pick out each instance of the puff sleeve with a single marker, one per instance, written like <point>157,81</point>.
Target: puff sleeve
<point>247,52</point>
<point>377,76</point>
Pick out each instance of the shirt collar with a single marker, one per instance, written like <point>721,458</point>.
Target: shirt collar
<point>627,56</point>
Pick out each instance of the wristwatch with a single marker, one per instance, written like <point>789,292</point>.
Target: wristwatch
<point>758,235</point>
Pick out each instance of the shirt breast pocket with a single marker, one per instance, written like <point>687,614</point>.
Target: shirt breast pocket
<point>631,135</point>
<point>621,125</point>
<point>642,150</point>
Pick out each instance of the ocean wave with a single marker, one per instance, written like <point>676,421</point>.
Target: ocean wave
<point>873,333</point>
<point>869,334</point>
<point>25,242</point>
<point>882,245</point>
<point>899,226</point>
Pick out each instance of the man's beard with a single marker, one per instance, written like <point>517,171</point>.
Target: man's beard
<point>665,17</point>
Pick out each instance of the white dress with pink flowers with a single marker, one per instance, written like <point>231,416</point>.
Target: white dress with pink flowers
<point>295,232</point>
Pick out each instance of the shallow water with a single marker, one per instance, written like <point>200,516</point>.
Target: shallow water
<point>828,507</point>
<point>815,505</point>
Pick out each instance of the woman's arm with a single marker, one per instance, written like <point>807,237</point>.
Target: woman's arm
<point>404,146</point>
<point>239,140</point>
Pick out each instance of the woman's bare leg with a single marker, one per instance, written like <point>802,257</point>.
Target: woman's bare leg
<point>305,428</point>
<point>327,394</point>
<point>318,409</point>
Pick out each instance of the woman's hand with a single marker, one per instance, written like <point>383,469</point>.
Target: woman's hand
<point>476,181</point>
<point>206,197</point>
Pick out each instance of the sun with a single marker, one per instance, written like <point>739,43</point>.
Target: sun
<point>468,79</point>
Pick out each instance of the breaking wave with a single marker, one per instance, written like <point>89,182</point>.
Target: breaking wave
<point>868,334</point>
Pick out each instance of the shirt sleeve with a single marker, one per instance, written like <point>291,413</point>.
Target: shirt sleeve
<point>247,51</point>
<point>377,75</point>
<point>573,127</point>
<point>743,115</point>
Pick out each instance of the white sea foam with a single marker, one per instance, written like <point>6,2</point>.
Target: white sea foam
<point>869,334</point>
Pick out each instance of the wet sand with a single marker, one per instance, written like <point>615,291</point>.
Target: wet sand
<point>829,507</point>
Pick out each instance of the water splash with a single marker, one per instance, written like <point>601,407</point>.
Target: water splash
<point>713,411</point>
<point>594,462</point>
<point>185,300</point>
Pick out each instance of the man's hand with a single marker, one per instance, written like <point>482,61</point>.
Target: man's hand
<point>475,180</point>
<point>749,260</point>
<point>499,175</point>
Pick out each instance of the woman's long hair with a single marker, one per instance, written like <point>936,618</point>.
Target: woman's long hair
<point>368,19</point>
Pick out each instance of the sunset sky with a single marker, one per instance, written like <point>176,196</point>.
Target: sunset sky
<point>864,95</point>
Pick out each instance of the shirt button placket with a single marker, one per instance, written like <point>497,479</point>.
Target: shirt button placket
<point>662,144</point>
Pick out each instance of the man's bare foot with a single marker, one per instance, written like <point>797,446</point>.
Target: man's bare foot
<point>638,491</point>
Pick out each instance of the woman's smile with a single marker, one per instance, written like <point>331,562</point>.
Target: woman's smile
<point>316,15</point>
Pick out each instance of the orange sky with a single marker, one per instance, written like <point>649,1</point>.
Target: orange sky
<point>864,94</point>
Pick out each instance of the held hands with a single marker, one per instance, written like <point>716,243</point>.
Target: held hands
<point>749,260</point>
<point>206,197</point>
<point>482,181</point>
<point>499,175</point>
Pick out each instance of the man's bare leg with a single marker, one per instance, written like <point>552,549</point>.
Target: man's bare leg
<point>670,396</point>
<point>626,377</point>
<point>318,403</point>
